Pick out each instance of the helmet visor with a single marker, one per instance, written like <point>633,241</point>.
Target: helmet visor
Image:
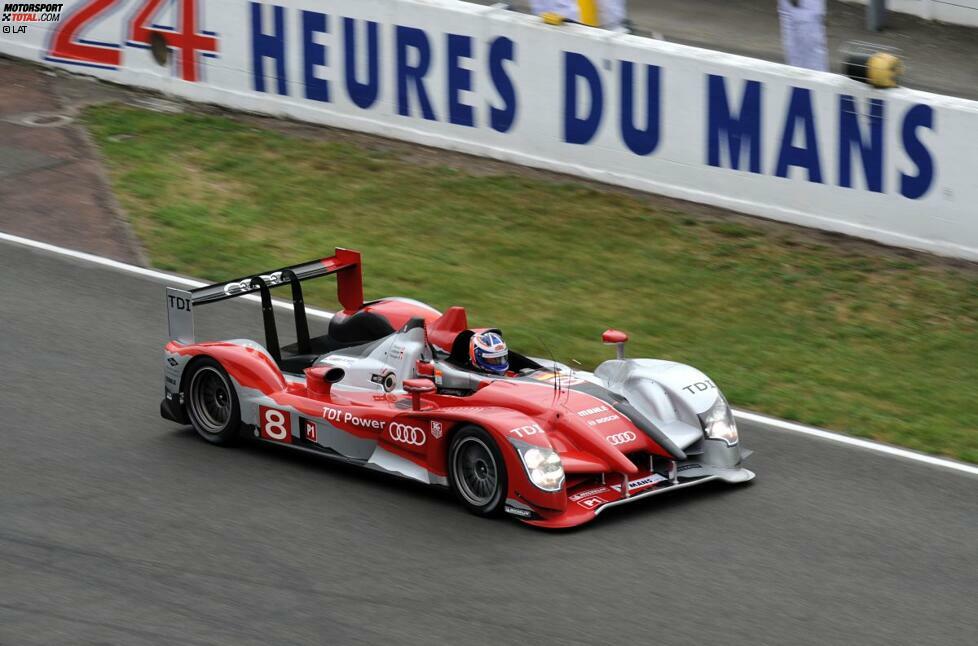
<point>496,359</point>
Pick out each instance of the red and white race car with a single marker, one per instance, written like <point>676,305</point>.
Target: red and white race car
<point>390,386</point>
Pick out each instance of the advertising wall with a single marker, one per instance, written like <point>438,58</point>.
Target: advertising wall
<point>815,149</point>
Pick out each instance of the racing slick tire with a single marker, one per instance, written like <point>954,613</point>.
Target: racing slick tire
<point>477,472</point>
<point>212,404</point>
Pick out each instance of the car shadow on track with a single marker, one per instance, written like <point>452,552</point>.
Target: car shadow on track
<point>643,511</point>
<point>322,464</point>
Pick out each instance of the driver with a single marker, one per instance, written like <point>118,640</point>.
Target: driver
<point>488,353</point>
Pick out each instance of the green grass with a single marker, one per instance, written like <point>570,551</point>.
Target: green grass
<point>865,342</point>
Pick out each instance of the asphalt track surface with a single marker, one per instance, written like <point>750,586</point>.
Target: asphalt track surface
<point>118,527</point>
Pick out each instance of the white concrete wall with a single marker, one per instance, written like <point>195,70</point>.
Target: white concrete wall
<point>504,85</point>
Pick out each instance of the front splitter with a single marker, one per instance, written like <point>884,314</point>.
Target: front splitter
<point>580,510</point>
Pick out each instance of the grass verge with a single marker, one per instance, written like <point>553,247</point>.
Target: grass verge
<point>871,343</point>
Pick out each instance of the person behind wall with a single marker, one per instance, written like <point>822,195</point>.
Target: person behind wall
<point>803,33</point>
<point>607,14</point>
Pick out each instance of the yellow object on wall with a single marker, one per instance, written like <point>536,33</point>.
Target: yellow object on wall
<point>883,70</point>
<point>551,18</point>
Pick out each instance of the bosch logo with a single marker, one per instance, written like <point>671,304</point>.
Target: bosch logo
<point>405,434</point>
<point>621,438</point>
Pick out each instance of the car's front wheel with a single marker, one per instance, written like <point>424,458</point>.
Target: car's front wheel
<point>212,404</point>
<point>477,472</point>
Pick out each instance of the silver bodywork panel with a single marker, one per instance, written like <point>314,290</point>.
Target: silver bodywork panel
<point>396,354</point>
<point>671,395</point>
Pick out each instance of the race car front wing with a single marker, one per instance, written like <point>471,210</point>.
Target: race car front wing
<point>586,500</point>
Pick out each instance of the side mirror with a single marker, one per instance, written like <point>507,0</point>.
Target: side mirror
<point>617,338</point>
<point>320,380</point>
<point>416,388</point>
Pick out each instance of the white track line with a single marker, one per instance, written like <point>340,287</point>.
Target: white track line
<point>161,276</point>
<point>769,422</point>
<point>782,425</point>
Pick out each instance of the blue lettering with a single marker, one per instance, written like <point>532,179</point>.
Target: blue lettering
<point>313,23</point>
<point>799,109</point>
<point>640,142</point>
<point>268,46</point>
<point>915,186</point>
<point>362,94</point>
<point>850,136</point>
<point>407,74</point>
<point>459,80</point>
<point>580,130</point>
<point>501,119</point>
<point>721,122</point>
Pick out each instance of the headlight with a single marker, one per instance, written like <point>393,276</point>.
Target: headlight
<point>542,466</point>
<point>718,422</point>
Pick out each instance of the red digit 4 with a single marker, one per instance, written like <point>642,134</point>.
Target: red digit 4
<point>185,42</point>
<point>139,27</point>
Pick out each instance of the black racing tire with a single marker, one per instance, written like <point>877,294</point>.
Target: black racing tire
<point>212,404</point>
<point>477,472</point>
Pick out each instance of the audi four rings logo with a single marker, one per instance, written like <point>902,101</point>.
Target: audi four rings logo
<point>621,438</point>
<point>244,286</point>
<point>407,434</point>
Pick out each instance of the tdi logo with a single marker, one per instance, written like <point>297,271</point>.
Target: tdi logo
<point>700,386</point>
<point>524,431</point>
<point>178,303</point>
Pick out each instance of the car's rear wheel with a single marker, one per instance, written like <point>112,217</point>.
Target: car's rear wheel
<point>477,472</point>
<point>212,404</point>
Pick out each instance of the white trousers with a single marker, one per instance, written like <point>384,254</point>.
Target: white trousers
<point>803,39</point>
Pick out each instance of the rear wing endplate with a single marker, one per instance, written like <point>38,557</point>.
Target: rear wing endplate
<point>345,263</point>
<point>179,315</point>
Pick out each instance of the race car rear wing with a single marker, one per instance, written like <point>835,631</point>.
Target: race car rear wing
<point>345,263</point>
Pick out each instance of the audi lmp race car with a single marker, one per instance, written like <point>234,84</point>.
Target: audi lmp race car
<point>391,386</point>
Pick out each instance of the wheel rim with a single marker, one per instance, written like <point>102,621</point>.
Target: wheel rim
<point>210,400</point>
<point>475,471</point>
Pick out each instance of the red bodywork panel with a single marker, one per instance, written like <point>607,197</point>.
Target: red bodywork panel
<point>399,312</point>
<point>442,332</point>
